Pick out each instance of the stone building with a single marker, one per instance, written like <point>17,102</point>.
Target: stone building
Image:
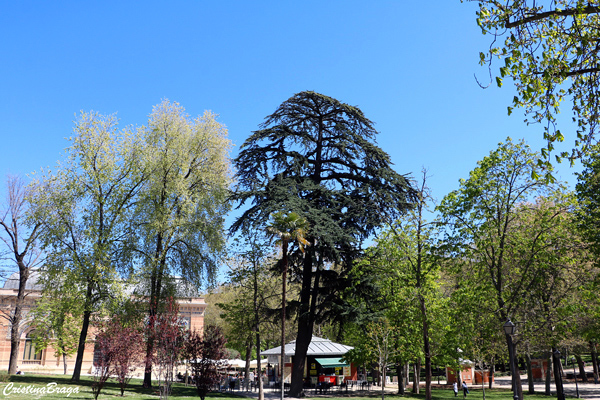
<point>30,359</point>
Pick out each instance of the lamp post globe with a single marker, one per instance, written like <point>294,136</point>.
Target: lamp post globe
<point>509,327</point>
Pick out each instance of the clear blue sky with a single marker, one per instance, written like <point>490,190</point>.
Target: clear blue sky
<point>408,65</point>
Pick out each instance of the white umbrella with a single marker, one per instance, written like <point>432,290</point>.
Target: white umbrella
<point>254,363</point>
<point>237,363</point>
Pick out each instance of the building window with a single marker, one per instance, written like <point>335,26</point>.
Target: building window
<point>30,353</point>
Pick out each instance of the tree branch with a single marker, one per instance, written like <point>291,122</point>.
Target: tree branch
<point>561,13</point>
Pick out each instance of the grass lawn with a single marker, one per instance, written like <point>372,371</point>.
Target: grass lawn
<point>83,389</point>
<point>443,394</point>
<point>134,391</point>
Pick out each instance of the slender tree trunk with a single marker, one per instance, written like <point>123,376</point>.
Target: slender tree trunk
<point>518,382</point>
<point>547,392</point>
<point>400,373</point>
<point>147,383</point>
<point>284,248</point>
<point>517,375</point>
<point>482,380</point>
<point>15,321</point>
<point>81,347</point>
<point>261,395</point>
<point>581,366</point>
<point>560,393</point>
<point>426,348</point>
<point>248,358</point>
<point>416,376</point>
<point>64,356</point>
<point>530,383</point>
<point>382,369</point>
<point>87,314</point>
<point>492,372</point>
<point>155,295</point>
<point>594,354</point>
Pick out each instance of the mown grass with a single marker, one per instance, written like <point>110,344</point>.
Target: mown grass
<point>35,384</point>
<point>135,391</point>
<point>445,394</point>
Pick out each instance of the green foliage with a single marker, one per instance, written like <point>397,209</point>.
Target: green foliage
<point>180,211</point>
<point>86,208</point>
<point>313,157</point>
<point>588,189</point>
<point>135,198</point>
<point>56,320</point>
<point>516,254</point>
<point>255,300</point>
<point>549,50</point>
<point>479,216</point>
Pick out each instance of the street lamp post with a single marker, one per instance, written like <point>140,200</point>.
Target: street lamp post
<point>575,377</point>
<point>509,329</point>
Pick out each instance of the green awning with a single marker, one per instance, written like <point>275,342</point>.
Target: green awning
<point>331,362</point>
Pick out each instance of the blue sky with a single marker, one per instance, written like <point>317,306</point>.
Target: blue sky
<point>408,65</point>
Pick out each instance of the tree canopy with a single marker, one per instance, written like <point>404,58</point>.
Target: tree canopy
<point>316,156</point>
<point>551,51</point>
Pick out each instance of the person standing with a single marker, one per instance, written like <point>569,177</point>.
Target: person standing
<point>455,387</point>
<point>465,389</point>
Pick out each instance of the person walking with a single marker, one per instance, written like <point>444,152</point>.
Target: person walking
<point>465,389</point>
<point>455,387</point>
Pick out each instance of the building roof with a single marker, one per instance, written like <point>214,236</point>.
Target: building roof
<point>317,347</point>
<point>183,288</point>
<point>12,282</point>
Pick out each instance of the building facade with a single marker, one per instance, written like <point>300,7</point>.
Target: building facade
<point>30,359</point>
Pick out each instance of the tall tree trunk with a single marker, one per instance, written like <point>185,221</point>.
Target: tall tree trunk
<point>87,314</point>
<point>560,393</point>
<point>482,380</point>
<point>382,377</point>
<point>308,304</point>
<point>581,366</point>
<point>530,383</point>
<point>416,376</point>
<point>594,354</point>
<point>517,375</point>
<point>15,321</point>
<point>400,373</point>
<point>518,382</point>
<point>492,372</point>
<point>247,359</point>
<point>155,295</point>
<point>81,347</point>
<point>426,348</point>
<point>547,392</point>
<point>64,356</point>
<point>261,394</point>
<point>284,249</point>
<point>256,328</point>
